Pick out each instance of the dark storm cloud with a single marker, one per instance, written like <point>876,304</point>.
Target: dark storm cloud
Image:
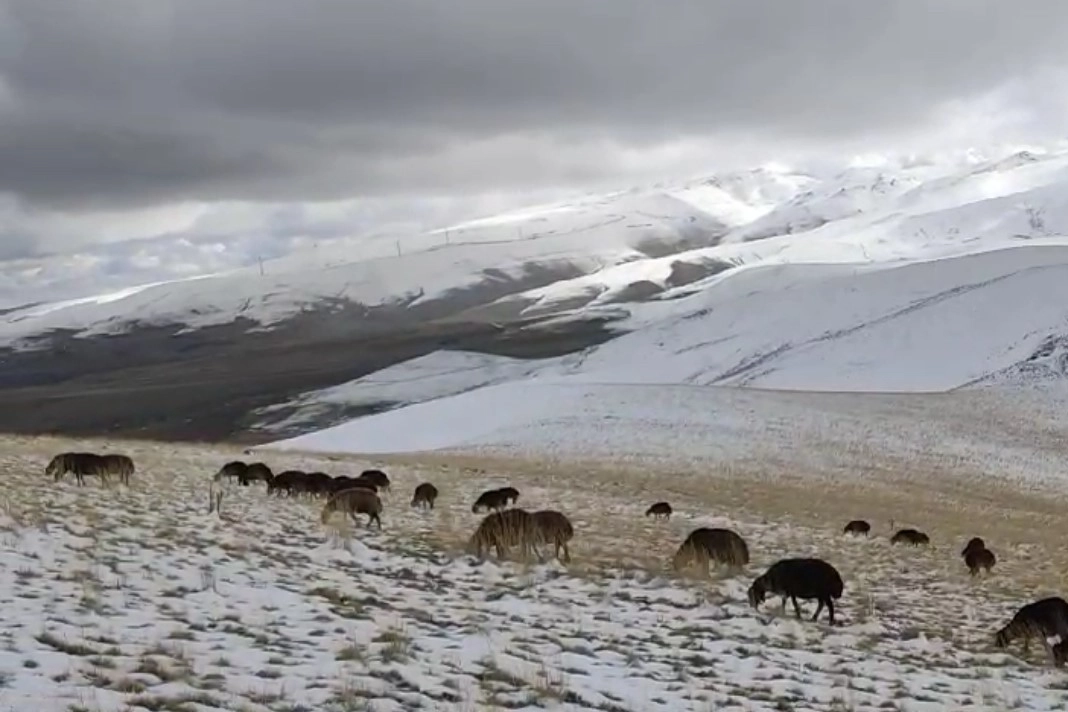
<point>125,102</point>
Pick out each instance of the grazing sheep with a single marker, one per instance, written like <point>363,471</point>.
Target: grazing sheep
<point>490,499</point>
<point>219,486</point>
<point>658,510</point>
<point>910,536</point>
<point>366,483</point>
<point>80,464</point>
<point>804,578</point>
<point>704,545</point>
<point>256,472</point>
<point>234,470</point>
<point>977,559</point>
<point>342,482</point>
<point>354,501</point>
<point>1060,653</point>
<point>554,528</point>
<point>502,531</point>
<point>1041,619</point>
<point>122,466</point>
<point>510,494</point>
<point>318,483</point>
<point>288,481</point>
<point>857,527</point>
<point>973,543</point>
<point>378,477</point>
<point>424,496</point>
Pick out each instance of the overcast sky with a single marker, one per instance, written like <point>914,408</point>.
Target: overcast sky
<point>123,119</point>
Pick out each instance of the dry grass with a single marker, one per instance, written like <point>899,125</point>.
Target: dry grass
<point>365,617</point>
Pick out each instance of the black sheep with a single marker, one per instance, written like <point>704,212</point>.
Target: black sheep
<point>799,578</point>
<point>857,527</point>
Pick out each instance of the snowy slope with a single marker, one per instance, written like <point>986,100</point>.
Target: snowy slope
<point>917,327</point>
<point>135,598</point>
<point>575,238</point>
<point>622,247</point>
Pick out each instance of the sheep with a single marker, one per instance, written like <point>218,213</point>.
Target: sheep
<point>704,545</point>
<point>80,464</point>
<point>510,494</point>
<point>658,510</point>
<point>120,465</point>
<point>554,528</point>
<point>318,483</point>
<point>354,501</point>
<point>803,578</point>
<point>1060,653</point>
<point>1041,619</point>
<point>378,477</point>
<point>973,543</point>
<point>502,531</point>
<point>857,527</point>
<point>220,484</point>
<point>288,481</point>
<point>490,499</point>
<point>977,559</point>
<point>424,496</point>
<point>234,469</point>
<point>256,472</point>
<point>366,483</point>
<point>910,536</point>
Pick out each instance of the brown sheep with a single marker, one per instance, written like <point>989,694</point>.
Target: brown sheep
<point>977,559</point>
<point>910,536</point>
<point>120,465</point>
<point>658,510</point>
<point>857,527</point>
<point>80,464</point>
<point>424,496</point>
<point>1041,619</point>
<point>354,501</point>
<point>555,528</point>
<point>504,530</point>
<point>704,545</point>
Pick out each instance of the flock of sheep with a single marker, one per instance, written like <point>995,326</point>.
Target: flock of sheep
<point>507,527</point>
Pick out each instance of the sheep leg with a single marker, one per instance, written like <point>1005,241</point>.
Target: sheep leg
<point>567,554</point>
<point>797,608</point>
<point>830,611</point>
<point>819,609</point>
<point>783,611</point>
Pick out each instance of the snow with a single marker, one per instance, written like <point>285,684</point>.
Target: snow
<point>849,212</point>
<point>136,598</point>
<point>668,389</point>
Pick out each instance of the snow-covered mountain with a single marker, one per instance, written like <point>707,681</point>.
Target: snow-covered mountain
<point>882,275</point>
<point>618,247</point>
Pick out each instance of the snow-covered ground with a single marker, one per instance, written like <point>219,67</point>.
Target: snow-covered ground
<point>137,599</point>
<point>658,392</point>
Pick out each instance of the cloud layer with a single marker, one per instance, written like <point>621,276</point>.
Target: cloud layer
<point>123,105</point>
